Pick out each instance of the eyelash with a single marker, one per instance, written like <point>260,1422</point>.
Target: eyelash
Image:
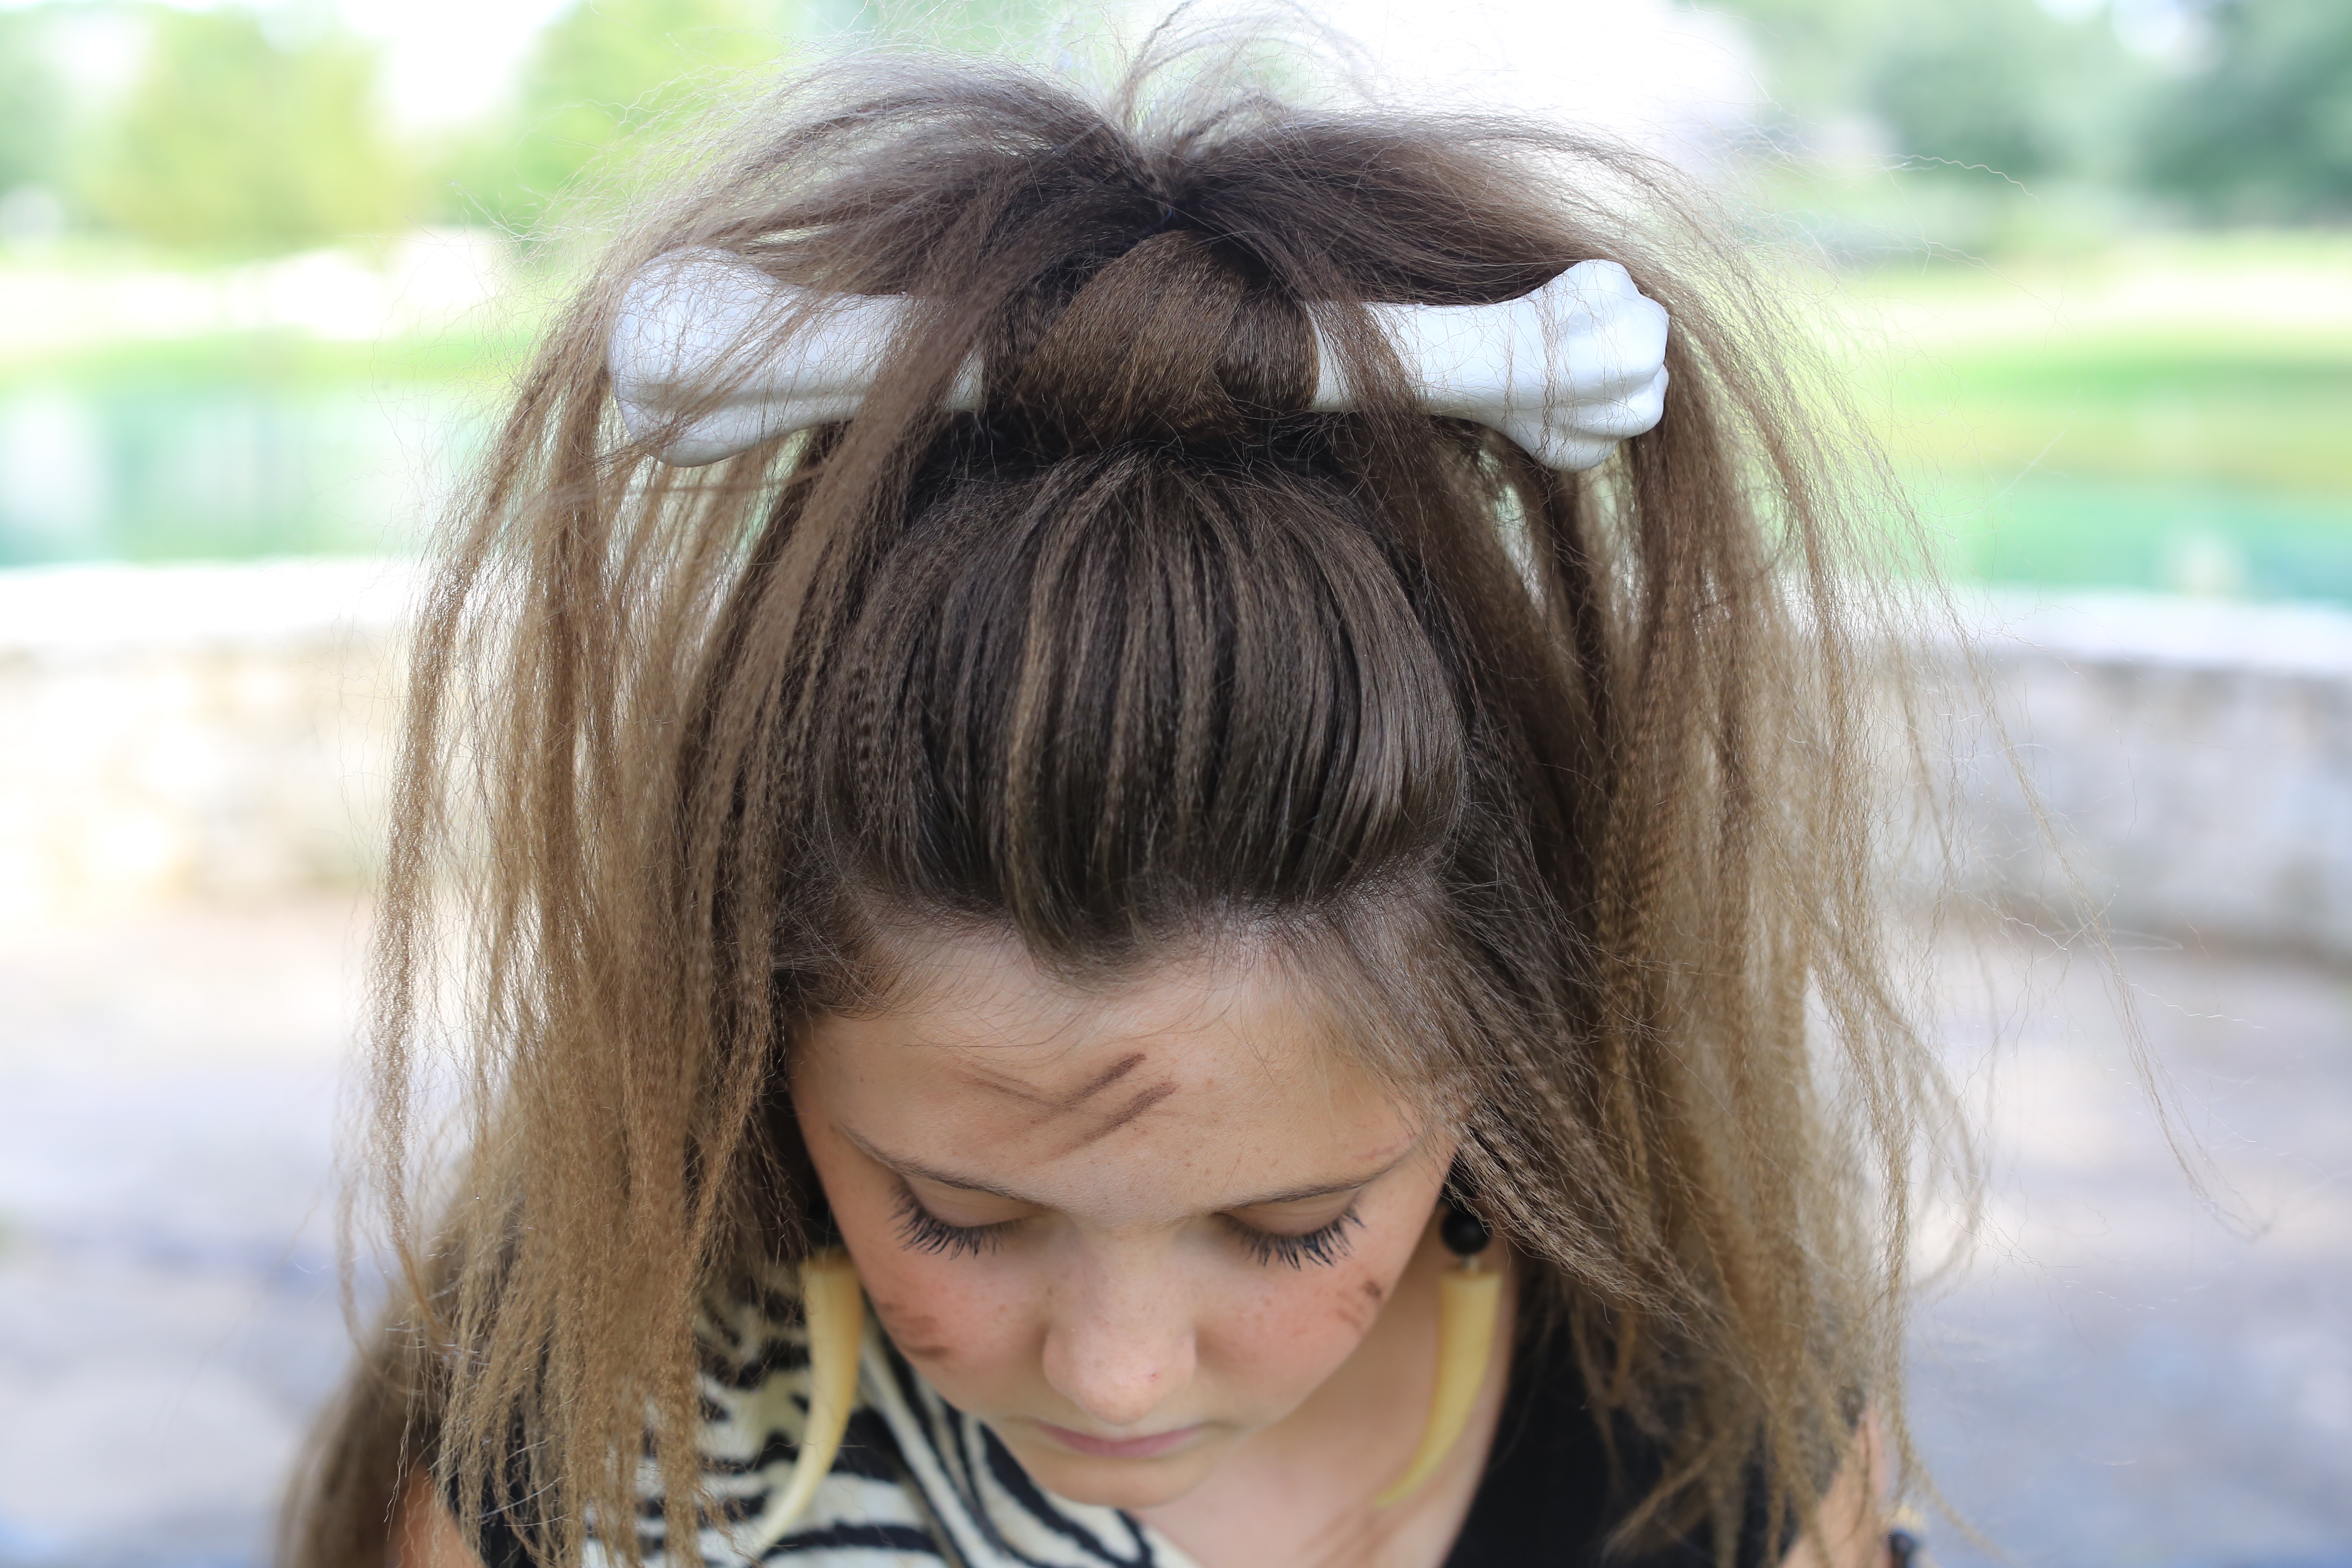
<point>1322,1246</point>
<point>922,1231</point>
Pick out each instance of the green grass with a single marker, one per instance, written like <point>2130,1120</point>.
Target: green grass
<point>2218,414</point>
<point>276,360</point>
<point>2179,418</point>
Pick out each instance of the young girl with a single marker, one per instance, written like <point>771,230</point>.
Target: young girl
<point>1168,859</point>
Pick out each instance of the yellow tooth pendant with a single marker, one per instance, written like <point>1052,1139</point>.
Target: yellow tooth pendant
<point>833,1304</point>
<point>1469,1300</point>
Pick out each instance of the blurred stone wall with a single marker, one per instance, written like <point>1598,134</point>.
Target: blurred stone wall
<point>212,731</point>
<point>225,731</point>
<point>2194,758</point>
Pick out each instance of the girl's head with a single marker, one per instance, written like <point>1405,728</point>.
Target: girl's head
<point>1173,826</point>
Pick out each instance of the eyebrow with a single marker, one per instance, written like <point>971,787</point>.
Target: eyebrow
<point>973,1184</point>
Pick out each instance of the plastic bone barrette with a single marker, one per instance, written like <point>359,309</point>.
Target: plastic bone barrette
<point>1567,371</point>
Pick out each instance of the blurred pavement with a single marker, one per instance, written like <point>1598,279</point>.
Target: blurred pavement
<point>2120,1374</point>
<point>168,1313</point>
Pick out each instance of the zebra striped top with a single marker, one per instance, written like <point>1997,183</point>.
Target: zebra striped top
<point>920,1484</point>
<point>917,1483</point>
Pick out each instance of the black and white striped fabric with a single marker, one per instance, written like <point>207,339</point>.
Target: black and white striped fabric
<point>917,1483</point>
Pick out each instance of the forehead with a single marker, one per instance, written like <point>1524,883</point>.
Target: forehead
<point>1218,1064</point>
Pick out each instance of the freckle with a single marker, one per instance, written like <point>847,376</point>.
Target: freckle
<point>1372,1289</point>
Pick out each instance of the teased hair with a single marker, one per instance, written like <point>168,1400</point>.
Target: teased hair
<point>1564,775</point>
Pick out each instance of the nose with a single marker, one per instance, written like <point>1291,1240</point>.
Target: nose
<point>1120,1343</point>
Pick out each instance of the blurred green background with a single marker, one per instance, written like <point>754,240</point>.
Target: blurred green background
<point>2092,259</point>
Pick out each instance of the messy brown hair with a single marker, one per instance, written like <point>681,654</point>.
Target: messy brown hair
<point>1562,777</point>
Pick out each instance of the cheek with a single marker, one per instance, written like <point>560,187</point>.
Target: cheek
<point>963,1329</point>
<point>966,1323</point>
<point>1289,1329</point>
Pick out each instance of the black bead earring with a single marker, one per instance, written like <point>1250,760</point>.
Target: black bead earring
<point>1465,1233</point>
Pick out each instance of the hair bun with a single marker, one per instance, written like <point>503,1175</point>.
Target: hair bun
<point>1168,343</point>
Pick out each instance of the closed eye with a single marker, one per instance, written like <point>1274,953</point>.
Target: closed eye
<point>1323,1245</point>
<point>920,1230</point>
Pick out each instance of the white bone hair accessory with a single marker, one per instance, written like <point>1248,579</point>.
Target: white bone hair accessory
<point>1567,371</point>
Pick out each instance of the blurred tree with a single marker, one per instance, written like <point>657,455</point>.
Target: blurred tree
<point>2005,86</point>
<point>249,135</point>
<point>2262,132</point>
<point>1964,86</point>
<point>602,71</point>
<point>1817,53</point>
<point>605,71</point>
<point>33,103</point>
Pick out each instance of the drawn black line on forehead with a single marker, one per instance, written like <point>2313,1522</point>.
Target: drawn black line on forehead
<point>1006,1084</point>
<point>1144,1100</point>
<point>965,1183</point>
<point>1051,1107</point>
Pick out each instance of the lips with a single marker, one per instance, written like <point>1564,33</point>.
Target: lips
<point>1149,1448</point>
